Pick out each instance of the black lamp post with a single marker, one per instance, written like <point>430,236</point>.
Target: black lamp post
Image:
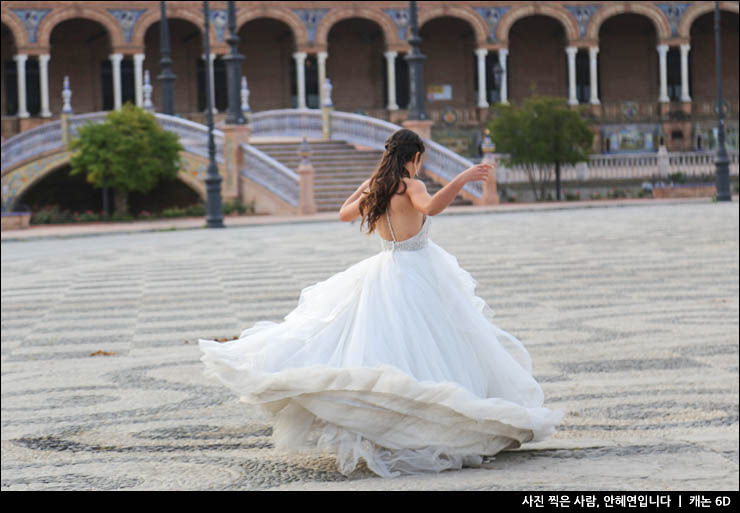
<point>215,218</point>
<point>416,69</point>
<point>233,72</point>
<point>166,78</point>
<point>721,162</point>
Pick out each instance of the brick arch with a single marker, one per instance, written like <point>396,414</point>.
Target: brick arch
<point>37,173</point>
<point>566,19</point>
<point>390,33</point>
<point>606,11</point>
<point>479,26</point>
<point>696,10</point>
<point>16,27</point>
<point>152,16</point>
<point>85,11</point>
<point>300,34</point>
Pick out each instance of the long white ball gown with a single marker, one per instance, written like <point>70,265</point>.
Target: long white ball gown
<point>394,360</point>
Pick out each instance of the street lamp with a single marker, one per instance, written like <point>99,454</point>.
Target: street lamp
<point>416,71</point>
<point>721,162</point>
<point>233,72</point>
<point>215,218</point>
<point>166,78</point>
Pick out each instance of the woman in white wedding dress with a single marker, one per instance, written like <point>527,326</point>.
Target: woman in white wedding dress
<point>394,360</point>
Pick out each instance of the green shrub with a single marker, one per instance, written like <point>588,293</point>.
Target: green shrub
<point>197,209</point>
<point>572,196</point>
<point>173,212</point>
<point>595,195</point>
<point>616,193</point>
<point>677,177</point>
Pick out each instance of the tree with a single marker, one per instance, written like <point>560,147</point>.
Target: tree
<point>541,135</point>
<point>128,152</point>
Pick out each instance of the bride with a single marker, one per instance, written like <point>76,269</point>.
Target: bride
<point>394,360</point>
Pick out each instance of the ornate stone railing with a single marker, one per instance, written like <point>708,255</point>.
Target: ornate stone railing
<point>48,137</point>
<point>193,136</point>
<point>286,122</point>
<point>629,166</point>
<point>360,130</point>
<point>270,174</point>
<point>26,145</point>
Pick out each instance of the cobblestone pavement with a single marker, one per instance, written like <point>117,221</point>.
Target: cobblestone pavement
<point>630,315</point>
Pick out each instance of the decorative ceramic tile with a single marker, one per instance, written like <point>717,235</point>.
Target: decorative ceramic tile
<point>31,19</point>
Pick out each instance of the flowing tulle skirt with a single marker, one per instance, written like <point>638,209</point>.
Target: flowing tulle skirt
<point>394,360</point>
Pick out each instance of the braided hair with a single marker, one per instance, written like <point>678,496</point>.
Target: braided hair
<point>400,148</point>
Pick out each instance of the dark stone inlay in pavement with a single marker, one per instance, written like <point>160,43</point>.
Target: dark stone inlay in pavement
<point>73,482</point>
<point>203,432</point>
<point>54,443</point>
<point>629,364</point>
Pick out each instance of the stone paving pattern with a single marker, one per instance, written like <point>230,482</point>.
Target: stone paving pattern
<point>630,315</point>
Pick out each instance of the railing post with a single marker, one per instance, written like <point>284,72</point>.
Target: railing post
<point>66,112</point>
<point>326,109</point>
<point>490,195</point>
<point>663,162</point>
<point>306,202</point>
<point>234,136</point>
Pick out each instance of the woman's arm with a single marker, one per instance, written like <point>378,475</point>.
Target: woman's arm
<point>351,208</point>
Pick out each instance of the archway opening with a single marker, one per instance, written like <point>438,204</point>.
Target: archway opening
<point>268,46</point>
<point>186,52</point>
<point>81,49</point>
<point>356,65</point>
<point>9,79</point>
<point>538,64</point>
<point>703,74</point>
<point>74,193</point>
<point>628,59</point>
<point>450,66</point>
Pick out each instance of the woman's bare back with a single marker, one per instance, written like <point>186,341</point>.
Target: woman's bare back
<point>406,220</point>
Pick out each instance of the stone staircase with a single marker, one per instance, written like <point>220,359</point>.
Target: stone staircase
<point>340,169</point>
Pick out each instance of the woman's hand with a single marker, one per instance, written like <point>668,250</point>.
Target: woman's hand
<point>476,173</point>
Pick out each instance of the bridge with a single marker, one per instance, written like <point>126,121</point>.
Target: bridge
<point>31,155</point>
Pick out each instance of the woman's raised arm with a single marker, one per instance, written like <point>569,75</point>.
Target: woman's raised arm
<point>351,208</point>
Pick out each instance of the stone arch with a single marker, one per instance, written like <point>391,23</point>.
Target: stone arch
<point>606,11</point>
<point>16,28</point>
<point>85,12</point>
<point>31,173</point>
<point>300,34</point>
<point>696,10</point>
<point>390,33</point>
<point>566,19</point>
<point>152,16</point>
<point>480,29</point>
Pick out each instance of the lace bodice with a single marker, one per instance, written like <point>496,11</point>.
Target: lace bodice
<point>416,242</point>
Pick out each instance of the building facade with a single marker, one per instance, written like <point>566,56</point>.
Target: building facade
<point>645,70</point>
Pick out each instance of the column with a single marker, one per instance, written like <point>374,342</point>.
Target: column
<point>300,60</point>
<point>502,53</point>
<point>212,57</point>
<point>685,73</point>
<point>321,59</point>
<point>390,61</point>
<point>481,53</point>
<point>44,83</point>
<point>139,78</point>
<point>116,65</point>
<point>592,53</point>
<point>571,51</point>
<point>20,64</point>
<point>663,53</point>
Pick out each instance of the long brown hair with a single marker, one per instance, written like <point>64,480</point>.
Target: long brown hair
<point>400,148</point>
